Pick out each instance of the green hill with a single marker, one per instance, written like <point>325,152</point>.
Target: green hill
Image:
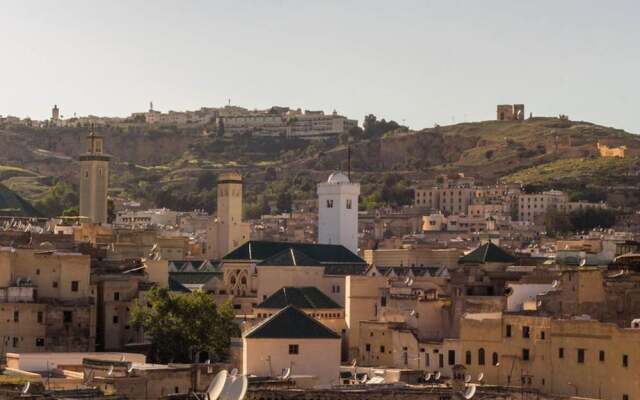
<point>11,204</point>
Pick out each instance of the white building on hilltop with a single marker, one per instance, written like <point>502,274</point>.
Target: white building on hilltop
<point>338,211</point>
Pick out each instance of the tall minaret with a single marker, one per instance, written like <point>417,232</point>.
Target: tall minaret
<point>94,180</point>
<point>338,211</point>
<point>229,231</point>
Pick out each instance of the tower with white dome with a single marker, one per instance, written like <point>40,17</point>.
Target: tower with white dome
<point>338,211</point>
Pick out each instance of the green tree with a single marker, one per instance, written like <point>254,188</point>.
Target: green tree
<point>589,218</point>
<point>62,196</point>
<point>557,223</point>
<point>284,202</point>
<point>183,326</point>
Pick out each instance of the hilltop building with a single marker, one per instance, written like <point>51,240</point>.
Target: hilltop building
<point>55,114</point>
<point>228,231</point>
<point>510,112</point>
<point>94,180</point>
<point>338,211</point>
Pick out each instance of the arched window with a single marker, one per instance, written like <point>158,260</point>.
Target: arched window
<point>494,359</point>
<point>480,356</point>
<point>243,280</point>
<point>233,280</point>
<point>467,357</point>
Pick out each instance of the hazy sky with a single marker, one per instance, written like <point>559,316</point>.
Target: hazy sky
<point>422,62</point>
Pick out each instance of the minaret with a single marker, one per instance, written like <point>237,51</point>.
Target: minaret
<point>338,211</point>
<point>229,231</point>
<point>94,180</point>
<point>55,113</point>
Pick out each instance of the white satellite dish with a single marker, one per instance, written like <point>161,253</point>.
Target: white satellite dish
<point>427,377</point>
<point>481,377</point>
<point>583,262</point>
<point>237,390</point>
<point>233,372</point>
<point>437,375</point>
<point>110,372</point>
<point>412,313</point>
<point>354,363</point>
<point>410,282</point>
<point>26,387</point>
<point>470,392</point>
<point>217,385</point>
<point>130,369</point>
<point>467,378</point>
<point>286,373</point>
<point>555,284</point>
<point>364,378</point>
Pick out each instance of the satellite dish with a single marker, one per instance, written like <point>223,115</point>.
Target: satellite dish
<point>481,377</point>
<point>237,390</point>
<point>26,387</point>
<point>217,385</point>
<point>412,313</point>
<point>555,284</point>
<point>130,369</point>
<point>427,377</point>
<point>233,372</point>
<point>437,376</point>
<point>354,363</point>
<point>110,372</point>
<point>470,392</point>
<point>208,361</point>
<point>583,262</point>
<point>286,373</point>
<point>122,358</point>
<point>364,378</point>
<point>467,378</point>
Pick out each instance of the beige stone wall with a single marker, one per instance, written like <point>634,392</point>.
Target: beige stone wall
<point>606,151</point>
<point>413,257</point>
<point>317,357</point>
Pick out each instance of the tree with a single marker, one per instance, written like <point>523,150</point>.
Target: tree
<point>284,202</point>
<point>182,326</point>
<point>588,218</point>
<point>557,223</point>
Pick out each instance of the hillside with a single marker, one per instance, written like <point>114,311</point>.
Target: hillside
<point>11,204</point>
<point>170,167</point>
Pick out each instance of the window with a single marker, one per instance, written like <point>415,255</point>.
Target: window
<point>16,316</point>
<point>467,358</point>
<point>625,360</point>
<point>525,332</point>
<point>601,356</point>
<point>383,301</point>
<point>74,286</point>
<point>54,284</point>
<point>367,347</point>
<point>348,204</point>
<point>382,349</point>
<point>452,357</point>
<point>525,354</point>
<point>542,335</point>
<point>625,397</point>
<point>40,317</point>
<point>481,356</point>
<point>67,316</point>
<point>15,341</point>
<point>441,360</point>
<point>329,203</point>
<point>116,296</point>
<point>115,319</point>
<point>508,331</point>
<point>294,349</point>
<point>39,342</point>
<point>581,356</point>
<point>494,359</point>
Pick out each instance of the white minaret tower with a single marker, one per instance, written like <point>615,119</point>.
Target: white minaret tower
<point>338,211</point>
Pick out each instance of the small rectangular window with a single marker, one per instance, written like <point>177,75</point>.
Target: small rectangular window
<point>15,341</point>
<point>348,204</point>
<point>367,347</point>
<point>40,317</point>
<point>452,357</point>
<point>508,331</point>
<point>525,354</point>
<point>67,316</point>
<point>115,319</point>
<point>561,352</point>
<point>525,332</point>
<point>580,356</point>
<point>54,284</point>
<point>542,335</point>
<point>116,296</point>
<point>16,316</point>
<point>74,286</point>
<point>601,356</point>
<point>382,349</point>
<point>329,203</point>
<point>294,349</point>
<point>625,360</point>
<point>39,342</point>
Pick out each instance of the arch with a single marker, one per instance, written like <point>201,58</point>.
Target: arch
<point>481,356</point>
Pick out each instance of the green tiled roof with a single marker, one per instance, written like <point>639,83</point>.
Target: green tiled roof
<point>290,257</point>
<point>291,323</point>
<point>300,297</point>
<point>258,250</point>
<point>193,278</point>
<point>176,286</point>
<point>487,253</point>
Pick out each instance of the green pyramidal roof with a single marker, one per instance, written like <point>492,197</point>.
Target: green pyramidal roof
<point>487,253</point>
<point>12,204</point>
<point>291,323</point>
<point>300,297</point>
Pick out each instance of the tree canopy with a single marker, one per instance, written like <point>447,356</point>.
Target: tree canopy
<point>181,326</point>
